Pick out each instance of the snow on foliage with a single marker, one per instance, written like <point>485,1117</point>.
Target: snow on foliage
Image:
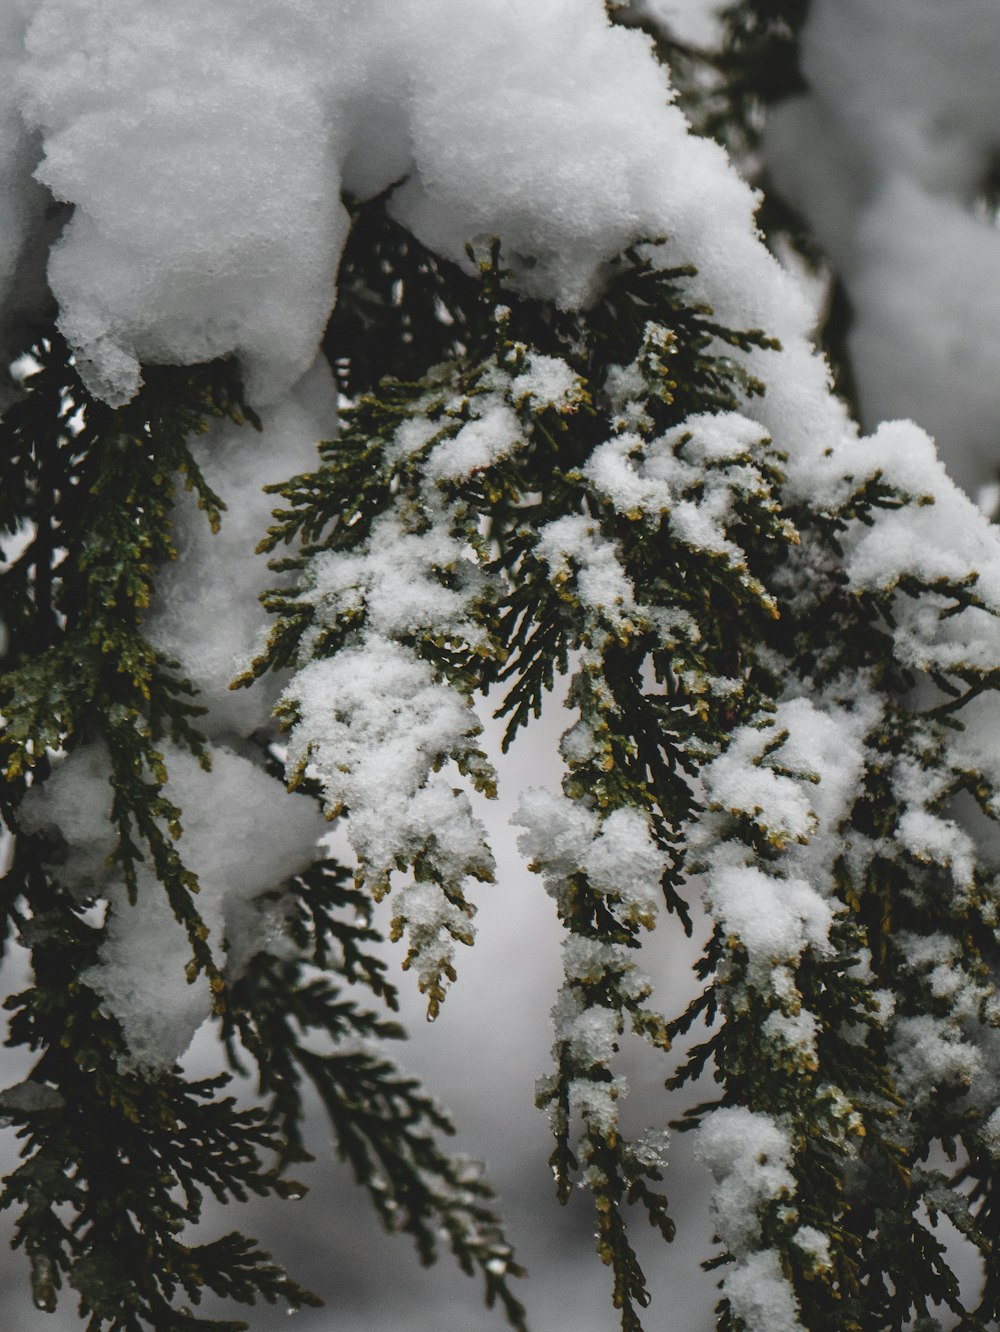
<point>626,464</point>
<point>270,837</point>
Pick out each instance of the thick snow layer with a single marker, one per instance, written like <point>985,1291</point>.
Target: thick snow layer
<point>243,836</point>
<point>206,614</point>
<point>204,150</point>
<point>886,156</point>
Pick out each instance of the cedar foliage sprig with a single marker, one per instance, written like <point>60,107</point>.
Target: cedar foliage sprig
<point>93,489</point>
<point>116,1163</point>
<point>116,1158</point>
<point>385,1125</point>
<point>858,1144</point>
<point>687,667</point>
<point>525,618</point>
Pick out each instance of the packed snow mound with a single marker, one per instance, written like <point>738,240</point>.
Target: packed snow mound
<point>206,150</point>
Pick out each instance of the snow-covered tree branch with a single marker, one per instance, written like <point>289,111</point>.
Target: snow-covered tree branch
<point>375,368</point>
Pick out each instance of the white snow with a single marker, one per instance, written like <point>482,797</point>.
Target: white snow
<point>243,836</point>
<point>748,1154</point>
<point>374,725</point>
<point>206,613</point>
<point>885,156</point>
<point>617,854</point>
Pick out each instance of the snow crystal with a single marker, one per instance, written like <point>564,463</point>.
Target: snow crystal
<point>219,228</point>
<point>760,1295</point>
<point>797,779</point>
<point>589,961</point>
<point>774,919</point>
<point>626,865</point>
<point>432,922</point>
<point>375,724</point>
<point>679,476</point>
<point>749,1155</point>
<point>207,212</point>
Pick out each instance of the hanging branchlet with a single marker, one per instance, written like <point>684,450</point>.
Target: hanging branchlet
<point>89,502</point>
<point>115,1164</point>
<point>563,488</point>
<point>385,1125</point>
<point>853,957</point>
<point>118,1147</point>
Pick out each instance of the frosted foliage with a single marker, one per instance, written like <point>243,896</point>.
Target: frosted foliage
<point>481,442</point>
<point>597,1103</point>
<point>797,779</point>
<point>374,725</point>
<point>243,836</point>
<point>943,539</point>
<point>759,1295</point>
<point>617,854</point>
<point>679,477</point>
<point>796,1031</point>
<point>547,382</point>
<point>590,961</point>
<point>885,156</point>
<point>206,612</point>
<point>393,579</point>
<point>774,919</point>
<point>928,1052</point>
<point>749,1155</point>
<point>574,547</point>
<point>591,1035</point>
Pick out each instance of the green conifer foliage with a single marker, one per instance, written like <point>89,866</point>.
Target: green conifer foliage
<point>557,484</point>
<point>775,695</point>
<point>117,1159</point>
